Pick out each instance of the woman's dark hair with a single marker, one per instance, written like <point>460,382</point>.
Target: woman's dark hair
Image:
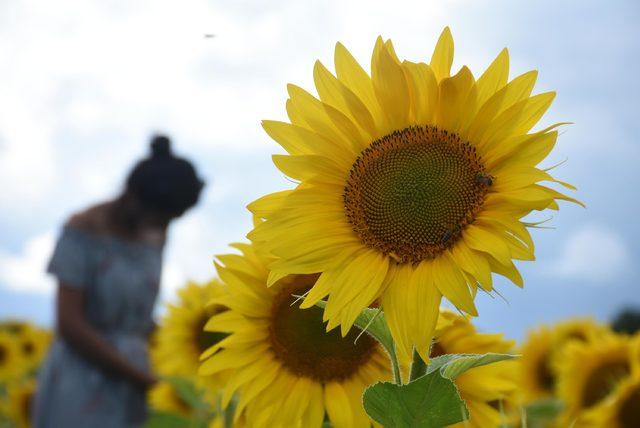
<point>163,182</point>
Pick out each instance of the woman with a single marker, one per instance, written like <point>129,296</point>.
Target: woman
<point>108,261</point>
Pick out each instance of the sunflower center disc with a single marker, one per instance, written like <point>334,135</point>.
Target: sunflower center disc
<point>630,410</point>
<point>603,380</point>
<point>3,354</point>
<point>546,378</point>
<point>301,343</point>
<point>412,192</point>
<point>28,348</point>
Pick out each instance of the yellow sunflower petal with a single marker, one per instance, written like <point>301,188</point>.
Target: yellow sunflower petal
<point>452,284</point>
<point>390,87</point>
<point>423,88</point>
<point>453,100</point>
<point>337,404</point>
<point>494,78</point>
<point>442,56</point>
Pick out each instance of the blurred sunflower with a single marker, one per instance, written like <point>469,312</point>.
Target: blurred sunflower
<point>543,346</point>
<point>13,326</point>
<point>163,397</point>
<point>19,401</point>
<point>287,370</point>
<point>11,362</point>
<point>413,186</point>
<point>34,343</point>
<point>620,410</point>
<point>180,338</point>
<point>589,372</point>
<point>483,388</point>
<point>578,329</point>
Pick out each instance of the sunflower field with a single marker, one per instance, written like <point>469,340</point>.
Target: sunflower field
<point>353,302</point>
<point>23,347</point>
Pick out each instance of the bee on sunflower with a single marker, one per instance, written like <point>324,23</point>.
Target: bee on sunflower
<point>286,369</point>
<point>413,185</point>
<point>180,338</point>
<point>538,376</point>
<point>486,390</point>
<point>590,372</point>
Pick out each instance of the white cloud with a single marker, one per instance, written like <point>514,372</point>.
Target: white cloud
<point>25,272</point>
<point>594,254</point>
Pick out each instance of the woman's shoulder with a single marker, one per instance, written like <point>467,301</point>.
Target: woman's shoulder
<point>92,221</point>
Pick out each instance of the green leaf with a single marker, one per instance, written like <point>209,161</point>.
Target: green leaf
<point>541,412</point>
<point>430,401</point>
<point>187,391</point>
<point>453,365</point>
<point>373,322</point>
<point>166,420</point>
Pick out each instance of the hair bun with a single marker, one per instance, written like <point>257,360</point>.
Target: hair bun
<point>160,146</point>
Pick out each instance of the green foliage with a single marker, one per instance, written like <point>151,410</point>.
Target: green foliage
<point>201,415</point>
<point>430,401</point>
<point>453,365</point>
<point>187,392</point>
<point>167,420</point>
<point>541,413</point>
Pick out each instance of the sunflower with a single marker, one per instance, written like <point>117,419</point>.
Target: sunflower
<point>11,362</point>
<point>544,346</point>
<point>34,343</point>
<point>19,401</point>
<point>287,370</point>
<point>13,326</point>
<point>412,186</point>
<point>483,388</point>
<point>589,372</point>
<point>180,339</point>
<point>620,410</point>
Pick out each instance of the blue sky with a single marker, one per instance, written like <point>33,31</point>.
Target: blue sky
<point>83,83</point>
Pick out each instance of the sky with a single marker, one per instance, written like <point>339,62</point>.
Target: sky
<point>84,83</point>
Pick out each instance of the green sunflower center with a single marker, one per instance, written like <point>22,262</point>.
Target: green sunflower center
<point>206,339</point>
<point>603,380</point>
<point>629,413</point>
<point>302,345</point>
<point>412,192</point>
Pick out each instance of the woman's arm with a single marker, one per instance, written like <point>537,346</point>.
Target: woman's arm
<point>86,340</point>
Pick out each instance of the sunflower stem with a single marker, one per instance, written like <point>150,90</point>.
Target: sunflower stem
<point>397,377</point>
<point>418,367</point>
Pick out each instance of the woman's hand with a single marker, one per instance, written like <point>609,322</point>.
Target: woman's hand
<point>87,341</point>
<point>145,381</point>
